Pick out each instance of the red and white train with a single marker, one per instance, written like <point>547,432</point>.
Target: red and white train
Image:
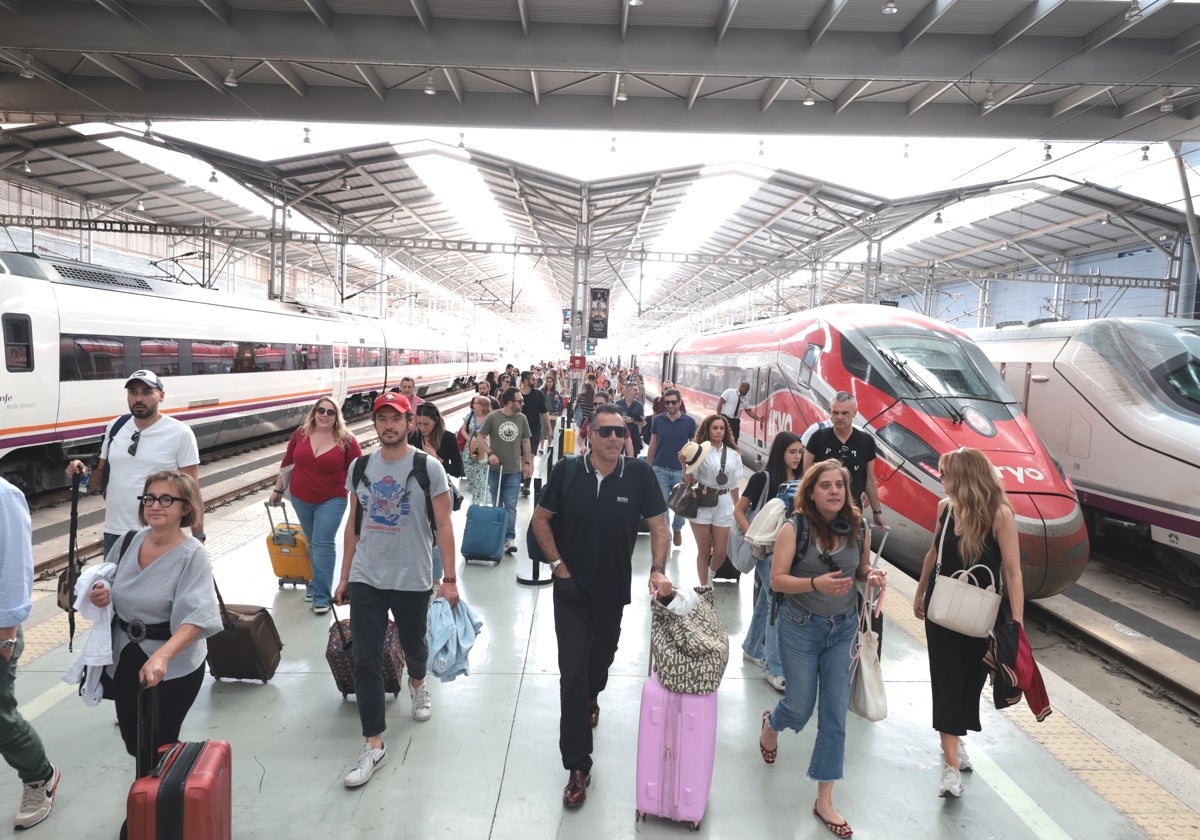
<point>233,368</point>
<point>923,388</point>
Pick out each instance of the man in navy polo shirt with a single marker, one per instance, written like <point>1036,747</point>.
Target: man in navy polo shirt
<point>669,432</point>
<point>588,531</point>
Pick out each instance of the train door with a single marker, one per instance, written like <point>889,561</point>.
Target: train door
<point>341,371</point>
<point>760,391</point>
<point>30,391</point>
<point>1016,377</point>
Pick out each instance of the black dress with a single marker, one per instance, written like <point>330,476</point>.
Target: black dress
<point>956,670</point>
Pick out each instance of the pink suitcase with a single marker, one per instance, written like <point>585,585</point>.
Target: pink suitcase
<point>677,740</point>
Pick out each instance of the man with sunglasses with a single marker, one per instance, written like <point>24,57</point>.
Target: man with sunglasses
<point>853,447</point>
<point>145,441</point>
<point>668,433</point>
<point>588,530</point>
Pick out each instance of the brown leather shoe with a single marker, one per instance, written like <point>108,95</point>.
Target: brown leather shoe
<point>677,538</point>
<point>576,790</point>
<point>594,710</point>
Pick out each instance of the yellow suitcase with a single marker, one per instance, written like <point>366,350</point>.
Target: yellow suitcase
<point>288,548</point>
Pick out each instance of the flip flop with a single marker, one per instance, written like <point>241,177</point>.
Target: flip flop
<point>839,829</point>
<point>768,755</point>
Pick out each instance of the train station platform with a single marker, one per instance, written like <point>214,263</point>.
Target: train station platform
<point>487,765</point>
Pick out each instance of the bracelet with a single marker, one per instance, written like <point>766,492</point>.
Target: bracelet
<point>449,580</point>
<point>812,581</point>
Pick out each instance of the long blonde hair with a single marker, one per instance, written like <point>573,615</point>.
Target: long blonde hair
<point>975,495</point>
<point>341,435</point>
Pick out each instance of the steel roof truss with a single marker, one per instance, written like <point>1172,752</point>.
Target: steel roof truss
<point>289,76</point>
<point>118,68</point>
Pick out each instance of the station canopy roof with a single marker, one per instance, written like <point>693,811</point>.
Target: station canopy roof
<point>793,241</point>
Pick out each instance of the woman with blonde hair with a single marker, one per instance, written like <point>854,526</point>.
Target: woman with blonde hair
<point>318,455</point>
<point>717,475</point>
<point>979,528</point>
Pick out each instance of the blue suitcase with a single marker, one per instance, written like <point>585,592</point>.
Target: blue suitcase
<point>483,538</point>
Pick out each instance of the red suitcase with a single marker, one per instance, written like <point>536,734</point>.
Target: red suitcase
<point>188,795</point>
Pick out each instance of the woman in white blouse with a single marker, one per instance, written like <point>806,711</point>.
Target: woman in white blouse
<point>717,475</point>
<point>165,606</point>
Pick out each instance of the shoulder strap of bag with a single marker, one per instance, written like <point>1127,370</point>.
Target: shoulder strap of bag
<point>803,533</point>
<point>112,433</point>
<point>358,474</point>
<point>937,569</point>
<point>420,471</point>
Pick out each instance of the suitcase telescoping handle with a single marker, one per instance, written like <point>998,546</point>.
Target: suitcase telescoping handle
<point>346,643</point>
<point>283,506</point>
<point>147,726</point>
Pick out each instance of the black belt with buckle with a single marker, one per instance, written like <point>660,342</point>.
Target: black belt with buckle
<point>139,631</point>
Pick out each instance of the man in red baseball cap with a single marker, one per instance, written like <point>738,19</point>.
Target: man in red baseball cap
<point>395,515</point>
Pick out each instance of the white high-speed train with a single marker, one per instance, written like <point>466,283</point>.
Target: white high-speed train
<point>1117,400</point>
<point>233,368</point>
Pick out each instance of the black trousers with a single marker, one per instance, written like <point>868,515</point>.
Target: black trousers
<point>587,634</point>
<point>368,622</point>
<point>175,699</point>
<point>735,427</point>
<point>956,678</point>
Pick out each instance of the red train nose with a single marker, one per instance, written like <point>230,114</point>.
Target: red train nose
<point>1054,542</point>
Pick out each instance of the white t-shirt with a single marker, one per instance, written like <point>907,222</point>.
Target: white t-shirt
<point>165,445</point>
<point>730,408</point>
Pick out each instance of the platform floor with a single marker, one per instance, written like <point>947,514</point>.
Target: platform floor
<point>487,764</point>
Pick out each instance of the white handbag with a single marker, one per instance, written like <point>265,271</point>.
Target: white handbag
<point>959,602</point>
<point>868,699</point>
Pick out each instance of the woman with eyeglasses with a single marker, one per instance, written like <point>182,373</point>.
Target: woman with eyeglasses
<point>980,528</point>
<point>817,625</point>
<point>718,474</point>
<point>165,606</point>
<point>319,456</point>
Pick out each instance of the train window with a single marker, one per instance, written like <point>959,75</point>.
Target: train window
<point>935,364</point>
<point>808,364</point>
<point>90,357</point>
<point>160,355</point>
<point>213,357</point>
<point>18,343</point>
<point>1185,382</point>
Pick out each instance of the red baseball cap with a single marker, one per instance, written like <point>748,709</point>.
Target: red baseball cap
<point>394,400</point>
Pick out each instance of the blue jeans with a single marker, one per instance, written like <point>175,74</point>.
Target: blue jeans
<point>762,637</point>
<point>816,653</point>
<point>320,523</point>
<point>508,497</point>
<point>667,479</point>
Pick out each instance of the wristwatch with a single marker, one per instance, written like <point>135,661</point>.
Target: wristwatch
<point>554,564</point>
<point>9,644</point>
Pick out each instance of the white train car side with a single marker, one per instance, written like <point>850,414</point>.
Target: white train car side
<point>1117,400</point>
<point>233,368</point>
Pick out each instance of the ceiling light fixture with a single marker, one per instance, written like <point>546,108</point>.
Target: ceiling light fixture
<point>430,90</point>
<point>622,96</point>
<point>937,220</point>
<point>1047,156</point>
<point>889,7</point>
<point>147,133</point>
<point>1134,12</point>
<point>613,146</point>
<point>25,168</point>
<point>816,212</point>
<point>141,207</point>
<point>307,137</point>
<point>906,151</point>
<point>1107,220</point>
<point>1167,105</point>
<point>345,184</point>
<point>808,95</point>
<point>1145,154</point>
<point>461,144</point>
<point>1004,245</point>
<point>230,79</point>
<point>636,2</point>
<point>212,178</point>
<point>760,148</point>
<point>989,98</point>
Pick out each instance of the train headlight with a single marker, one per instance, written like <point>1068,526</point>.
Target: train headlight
<point>976,419</point>
<point>910,447</point>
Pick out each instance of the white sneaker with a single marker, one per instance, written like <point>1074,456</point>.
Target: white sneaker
<point>37,800</point>
<point>510,547</point>
<point>951,782</point>
<point>308,596</point>
<point>753,660</point>
<point>368,763</point>
<point>964,760</point>
<point>422,703</point>
<point>777,682</point>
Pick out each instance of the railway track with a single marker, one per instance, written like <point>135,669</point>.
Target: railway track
<point>364,431</point>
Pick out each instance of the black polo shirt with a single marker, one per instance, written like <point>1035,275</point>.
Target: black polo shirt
<point>855,454</point>
<point>596,523</point>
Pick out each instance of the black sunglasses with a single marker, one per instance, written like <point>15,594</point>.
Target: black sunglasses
<point>132,450</point>
<point>165,500</point>
<point>325,411</point>
<point>670,402</point>
<point>609,431</point>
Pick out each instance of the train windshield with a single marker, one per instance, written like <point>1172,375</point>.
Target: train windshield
<point>938,365</point>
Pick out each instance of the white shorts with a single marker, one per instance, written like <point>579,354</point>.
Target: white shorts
<point>720,516</point>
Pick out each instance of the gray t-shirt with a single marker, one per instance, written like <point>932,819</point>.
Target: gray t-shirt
<point>395,546</point>
<point>177,588</point>
<point>819,603</point>
<point>504,436</point>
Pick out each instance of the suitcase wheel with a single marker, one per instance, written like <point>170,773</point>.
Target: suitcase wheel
<point>694,827</point>
<point>395,695</point>
<point>345,695</point>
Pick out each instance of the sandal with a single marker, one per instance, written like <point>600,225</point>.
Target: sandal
<point>842,829</point>
<point>768,755</point>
